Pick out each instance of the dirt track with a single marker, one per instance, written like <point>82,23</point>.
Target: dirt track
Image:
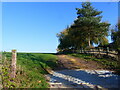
<point>69,62</point>
<point>84,75</point>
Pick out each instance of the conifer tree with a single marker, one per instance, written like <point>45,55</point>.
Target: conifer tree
<point>86,29</point>
<point>89,25</point>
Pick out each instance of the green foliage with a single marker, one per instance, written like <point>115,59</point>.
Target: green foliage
<point>5,71</point>
<point>30,70</point>
<point>86,29</point>
<point>116,41</point>
<point>116,36</point>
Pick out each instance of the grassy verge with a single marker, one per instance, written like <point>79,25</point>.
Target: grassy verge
<point>107,63</point>
<point>30,72</point>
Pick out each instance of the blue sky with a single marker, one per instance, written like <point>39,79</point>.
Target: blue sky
<point>0,26</point>
<point>32,26</point>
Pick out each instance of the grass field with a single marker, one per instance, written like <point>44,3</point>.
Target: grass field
<point>31,68</point>
<point>30,72</point>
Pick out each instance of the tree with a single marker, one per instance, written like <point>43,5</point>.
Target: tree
<point>64,40</point>
<point>86,30</point>
<point>116,42</point>
<point>89,24</point>
<point>116,36</point>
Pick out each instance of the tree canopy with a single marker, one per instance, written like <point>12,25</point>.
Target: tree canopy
<point>85,30</point>
<point>116,36</point>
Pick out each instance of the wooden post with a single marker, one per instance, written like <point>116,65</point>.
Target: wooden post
<point>13,64</point>
<point>99,52</point>
<point>107,50</point>
<point>81,50</point>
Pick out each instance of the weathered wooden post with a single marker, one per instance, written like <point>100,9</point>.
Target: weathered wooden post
<point>94,51</point>
<point>107,50</point>
<point>99,52</point>
<point>13,64</point>
<point>81,50</point>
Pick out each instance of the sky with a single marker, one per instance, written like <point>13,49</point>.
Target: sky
<point>0,26</point>
<point>59,0</point>
<point>32,26</point>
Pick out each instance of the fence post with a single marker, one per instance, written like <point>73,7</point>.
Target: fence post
<point>13,64</point>
<point>99,52</point>
<point>82,50</point>
<point>92,51</point>
<point>107,51</point>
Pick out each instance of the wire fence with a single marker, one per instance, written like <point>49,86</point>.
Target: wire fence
<point>100,52</point>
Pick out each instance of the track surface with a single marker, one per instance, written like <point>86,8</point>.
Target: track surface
<point>70,62</point>
<point>74,72</point>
